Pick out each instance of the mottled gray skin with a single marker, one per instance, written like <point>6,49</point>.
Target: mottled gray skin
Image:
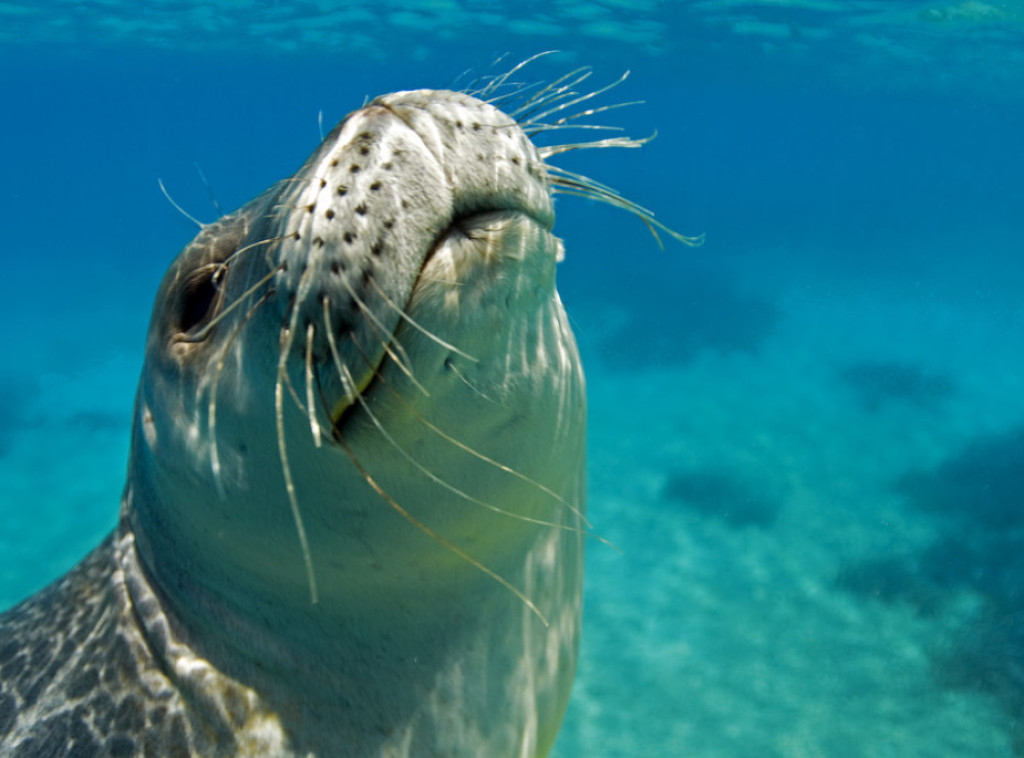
<point>434,608</point>
<point>79,680</point>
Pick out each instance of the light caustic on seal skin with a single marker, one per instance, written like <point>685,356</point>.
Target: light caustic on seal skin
<point>354,516</point>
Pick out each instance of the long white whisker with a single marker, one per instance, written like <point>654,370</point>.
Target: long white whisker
<point>628,142</point>
<point>386,338</point>
<point>314,424</point>
<point>287,339</point>
<point>559,89</point>
<point>223,265</point>
<point>452,440</point>
<point>350,383</point>
<point>498,81</point>
<point>177,207</point>
<point>452,367</point>
<point>212,406</point>
<point>438,538</point>
<point>580,99</point>
<point>423,330</point>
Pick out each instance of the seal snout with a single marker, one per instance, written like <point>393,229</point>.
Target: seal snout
<point>388,188</point>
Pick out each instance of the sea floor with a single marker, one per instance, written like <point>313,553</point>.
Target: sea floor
<point>775,590</point>
<point>777,593</point>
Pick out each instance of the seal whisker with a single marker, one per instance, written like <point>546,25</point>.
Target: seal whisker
<point>563,179</point>
<point>497,81</point>
<point>222,267</point>
<point>416,325</point>
<point>536,127</point>
<point>559,89</point>
<point>626,142</point>
<point>314,424</point>
<point>595,111</point>
<point>349,381</point>
<point>575,101</point>
<point>437,537</point>
<point>177,207</point>
<point>209,190</point>
<point>569,183</point>
<point>386,336</point>
<point>454,369</point>
<point>518,90</point>
<point>502,467</point>
<point>294,394</point>
<point>286,340</point>
<point>445,436</point>
<point>212,406</point>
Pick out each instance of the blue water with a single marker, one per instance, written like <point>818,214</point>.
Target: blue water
<point>807,436</point>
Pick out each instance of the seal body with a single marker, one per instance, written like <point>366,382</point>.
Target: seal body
<point>353,518</point>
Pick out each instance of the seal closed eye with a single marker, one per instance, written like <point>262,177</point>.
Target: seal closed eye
<point>353,521</point>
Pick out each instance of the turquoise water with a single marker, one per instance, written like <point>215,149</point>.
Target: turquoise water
<point>806,436</point>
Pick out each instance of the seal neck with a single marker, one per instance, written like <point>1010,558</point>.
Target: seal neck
<point>316,660</point>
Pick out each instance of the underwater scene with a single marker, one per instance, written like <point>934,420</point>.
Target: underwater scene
<point>805,436</point>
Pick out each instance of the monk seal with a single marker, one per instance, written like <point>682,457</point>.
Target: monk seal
<point>353,520</point>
